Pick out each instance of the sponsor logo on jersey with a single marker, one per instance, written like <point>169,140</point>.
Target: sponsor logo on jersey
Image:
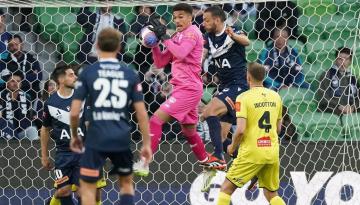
<point>264,141</point>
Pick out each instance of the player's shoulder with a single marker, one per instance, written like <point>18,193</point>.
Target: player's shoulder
<point>273,94</point>
<point>125,68</point>
<point>244,95</point>
<point>52,98</point>
<point>193,32</point>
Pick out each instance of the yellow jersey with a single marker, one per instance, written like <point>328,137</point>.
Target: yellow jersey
<point>262,108</point>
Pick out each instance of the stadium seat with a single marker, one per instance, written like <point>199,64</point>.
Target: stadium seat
<point>316,126</point>
<point>322,50</point>
<point>69,45</point>
<point>249,26</point>
<point>298,100</point>
<point>51,20</point>
<point>317,7</point>
<point>313,71</point>
<point>339,27</point>
<point>131,45</point>
<point>351,126</point>
<point>253,51</point>
<point>208,94</point>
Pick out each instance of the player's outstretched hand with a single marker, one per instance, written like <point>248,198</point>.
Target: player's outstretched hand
<point>146,154</point>
<point>158,28</point>
<point>45,161</point>
<point>230,32</point>
<point>76,145</point>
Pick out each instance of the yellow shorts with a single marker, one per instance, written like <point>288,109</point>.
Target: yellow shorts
<point>101,183</point>
<point>241,172</point>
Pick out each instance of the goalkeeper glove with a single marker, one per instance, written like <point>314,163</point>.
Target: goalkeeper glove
<point>158,28</point>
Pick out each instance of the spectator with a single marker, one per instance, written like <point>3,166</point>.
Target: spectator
<point>4,37</point>
<point>198,11</point>
<point>15,108</point>
<point>282,63</point>
<point>92,24</point>
<point>233,14</point>
<point>153,85</point>
<point>339,89</point>
<point>38,104</point>
<point>274,14</point>
<point>142,17</point>
<point>19,60</point>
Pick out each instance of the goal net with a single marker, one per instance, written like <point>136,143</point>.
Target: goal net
<point>316,73</point>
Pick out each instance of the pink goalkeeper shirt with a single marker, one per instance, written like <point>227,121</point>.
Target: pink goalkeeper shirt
<point>184,50</point>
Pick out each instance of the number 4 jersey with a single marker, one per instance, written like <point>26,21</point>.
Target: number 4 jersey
<point>262,108</point>
<point>110,89</point>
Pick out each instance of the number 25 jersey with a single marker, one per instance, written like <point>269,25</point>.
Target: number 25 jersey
<point>111,88</point>
<point>262,108</point>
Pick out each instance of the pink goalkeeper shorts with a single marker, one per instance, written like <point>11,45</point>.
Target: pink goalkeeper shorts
<point>183,105</point>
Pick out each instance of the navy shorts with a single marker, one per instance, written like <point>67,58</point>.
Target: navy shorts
<point>228,96</point>
<point>92,162</point>
<point>66,169</point>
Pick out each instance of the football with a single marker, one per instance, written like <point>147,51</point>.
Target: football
<point>148,37</point>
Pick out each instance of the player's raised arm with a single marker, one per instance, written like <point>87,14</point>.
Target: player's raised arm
<point>161,58</point>
<point>238,36</point>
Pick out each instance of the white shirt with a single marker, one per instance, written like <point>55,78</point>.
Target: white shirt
<point>102,21</point>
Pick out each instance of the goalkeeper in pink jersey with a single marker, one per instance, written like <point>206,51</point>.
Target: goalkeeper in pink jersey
<point>184,51</point>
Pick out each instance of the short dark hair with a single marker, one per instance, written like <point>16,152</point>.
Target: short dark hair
<point>183,7</point>
<point>257,71</point>
<point>216,11</point>
<point>6,78</point>
<point>58,71</point>
<point>16,36</point>
<point>76,68</point>
<point>136,8</point>
<point>109,40</point>
<point>345,50</point>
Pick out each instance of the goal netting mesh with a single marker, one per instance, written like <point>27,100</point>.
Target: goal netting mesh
<point>320,91</point>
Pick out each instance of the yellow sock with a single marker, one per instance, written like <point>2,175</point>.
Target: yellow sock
<point>98,203</point>
<point>55,201</point>
<point>277,201</point>
<point>224,199</point>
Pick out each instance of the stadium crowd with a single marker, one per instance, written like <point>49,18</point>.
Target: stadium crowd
<point>22,76</point>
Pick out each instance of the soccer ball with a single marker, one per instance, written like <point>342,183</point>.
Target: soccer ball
<point>148,37</point>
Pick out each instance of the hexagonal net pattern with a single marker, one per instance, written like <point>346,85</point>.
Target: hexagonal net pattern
<point>310,50</point>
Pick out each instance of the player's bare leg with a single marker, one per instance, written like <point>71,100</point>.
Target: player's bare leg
<point>273,197</point>
<point>126,190</point>
<point>88,193</point>
<point>159,118</point>
<point>64,194</point>
<point>227,189</point>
